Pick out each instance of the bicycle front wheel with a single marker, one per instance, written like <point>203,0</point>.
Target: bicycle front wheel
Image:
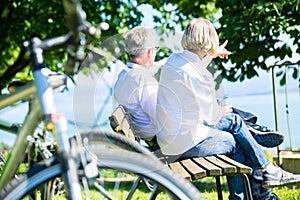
<point>120,175</point>
<point>111,140</point>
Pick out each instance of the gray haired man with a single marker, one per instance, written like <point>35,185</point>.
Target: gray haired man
<point>136,87</point>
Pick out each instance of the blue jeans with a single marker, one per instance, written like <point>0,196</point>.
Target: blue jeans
<point>236,141</point>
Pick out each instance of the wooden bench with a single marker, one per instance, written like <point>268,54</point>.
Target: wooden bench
<point>191,169</point>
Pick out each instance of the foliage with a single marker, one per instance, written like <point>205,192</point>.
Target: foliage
<point>45,19</point>
<point>252,28</point>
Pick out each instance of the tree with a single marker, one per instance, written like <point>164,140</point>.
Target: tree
<point>22,20</point>
<point>252,28</point>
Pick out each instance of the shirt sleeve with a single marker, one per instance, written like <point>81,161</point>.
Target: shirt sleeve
<point>148,98</point>
<point>204,90</point>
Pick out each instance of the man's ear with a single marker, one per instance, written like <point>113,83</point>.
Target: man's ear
<point>149,53</point>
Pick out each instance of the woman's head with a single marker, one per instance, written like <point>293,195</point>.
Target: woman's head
<point>200,35</point>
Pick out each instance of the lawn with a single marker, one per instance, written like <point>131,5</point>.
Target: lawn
<point>207,189</point>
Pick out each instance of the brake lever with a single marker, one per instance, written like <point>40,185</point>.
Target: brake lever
<point>76,16</point>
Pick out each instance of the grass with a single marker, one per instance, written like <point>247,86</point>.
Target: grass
<point>208,191</point>
<point>206,187</point>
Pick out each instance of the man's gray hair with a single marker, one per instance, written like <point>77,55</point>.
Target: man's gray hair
<point>139,39</point>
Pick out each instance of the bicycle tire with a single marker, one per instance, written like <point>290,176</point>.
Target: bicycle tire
<point>104,138</point>
<point>137,164</point>
<point>112,140</point>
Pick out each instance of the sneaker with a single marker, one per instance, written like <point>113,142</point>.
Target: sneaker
<point>274,176</point>
<point>264,136</point>
<point>271,196</point>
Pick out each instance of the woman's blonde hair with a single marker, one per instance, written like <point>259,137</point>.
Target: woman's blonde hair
<point>200,34</point>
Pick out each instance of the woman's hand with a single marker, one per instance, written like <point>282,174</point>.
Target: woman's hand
<point>222,52</point>
<point>227,109</point>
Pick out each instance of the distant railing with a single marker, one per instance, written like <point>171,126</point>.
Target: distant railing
<point>285,67</point>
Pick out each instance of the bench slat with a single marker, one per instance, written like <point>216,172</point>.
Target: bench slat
<point>195,170</point>
<point>226,167</point>
<point>211,169</point>
<point>179,169</point>
<point>120,122</point>
<point>243,169</point>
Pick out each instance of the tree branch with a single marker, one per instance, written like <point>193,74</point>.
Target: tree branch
<point>19,65</point>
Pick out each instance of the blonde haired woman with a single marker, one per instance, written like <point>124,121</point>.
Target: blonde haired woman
<point>193,124</point>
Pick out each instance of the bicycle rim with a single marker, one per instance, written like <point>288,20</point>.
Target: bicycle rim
<point>120,175</point>
<point>111,140</point>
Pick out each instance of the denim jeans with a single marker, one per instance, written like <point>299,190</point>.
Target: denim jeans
<point>236,142</point>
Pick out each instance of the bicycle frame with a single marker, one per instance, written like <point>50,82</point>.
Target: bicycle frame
<point>30,124</point>
<point>18,150</point>
<point>42,105</point>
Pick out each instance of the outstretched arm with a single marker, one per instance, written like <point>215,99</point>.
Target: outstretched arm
<point>222,52</point>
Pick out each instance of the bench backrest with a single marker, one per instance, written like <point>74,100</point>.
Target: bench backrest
<point>120,122</point>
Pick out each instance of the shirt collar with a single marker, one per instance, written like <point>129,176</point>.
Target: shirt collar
<point>191,55</point>
<point>132,65</point>
<point>195,58</point>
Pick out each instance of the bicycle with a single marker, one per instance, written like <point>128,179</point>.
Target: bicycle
<point>82,166</point>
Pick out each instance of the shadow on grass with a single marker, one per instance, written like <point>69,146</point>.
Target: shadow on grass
<point>209,184</point>
<point>124,187</point>
<point>208,189</point>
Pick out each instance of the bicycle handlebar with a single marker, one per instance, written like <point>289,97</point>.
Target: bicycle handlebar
<point>75,15</point>
<point>76,21</point>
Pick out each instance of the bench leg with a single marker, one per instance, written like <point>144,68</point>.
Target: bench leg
<point>219,189</point>
<point>153,189</point>
<point>133,188</point>
<point>247,187</point>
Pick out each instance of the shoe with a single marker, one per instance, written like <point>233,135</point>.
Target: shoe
<point>271,196</point>
<point>264,136</point>
<point>274,176</point>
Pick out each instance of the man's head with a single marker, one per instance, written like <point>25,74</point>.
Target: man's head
<point>200,35</point>
<point>141,44</point>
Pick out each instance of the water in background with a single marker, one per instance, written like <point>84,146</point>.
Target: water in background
<point>262,106</point>
<point>256,95</point>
